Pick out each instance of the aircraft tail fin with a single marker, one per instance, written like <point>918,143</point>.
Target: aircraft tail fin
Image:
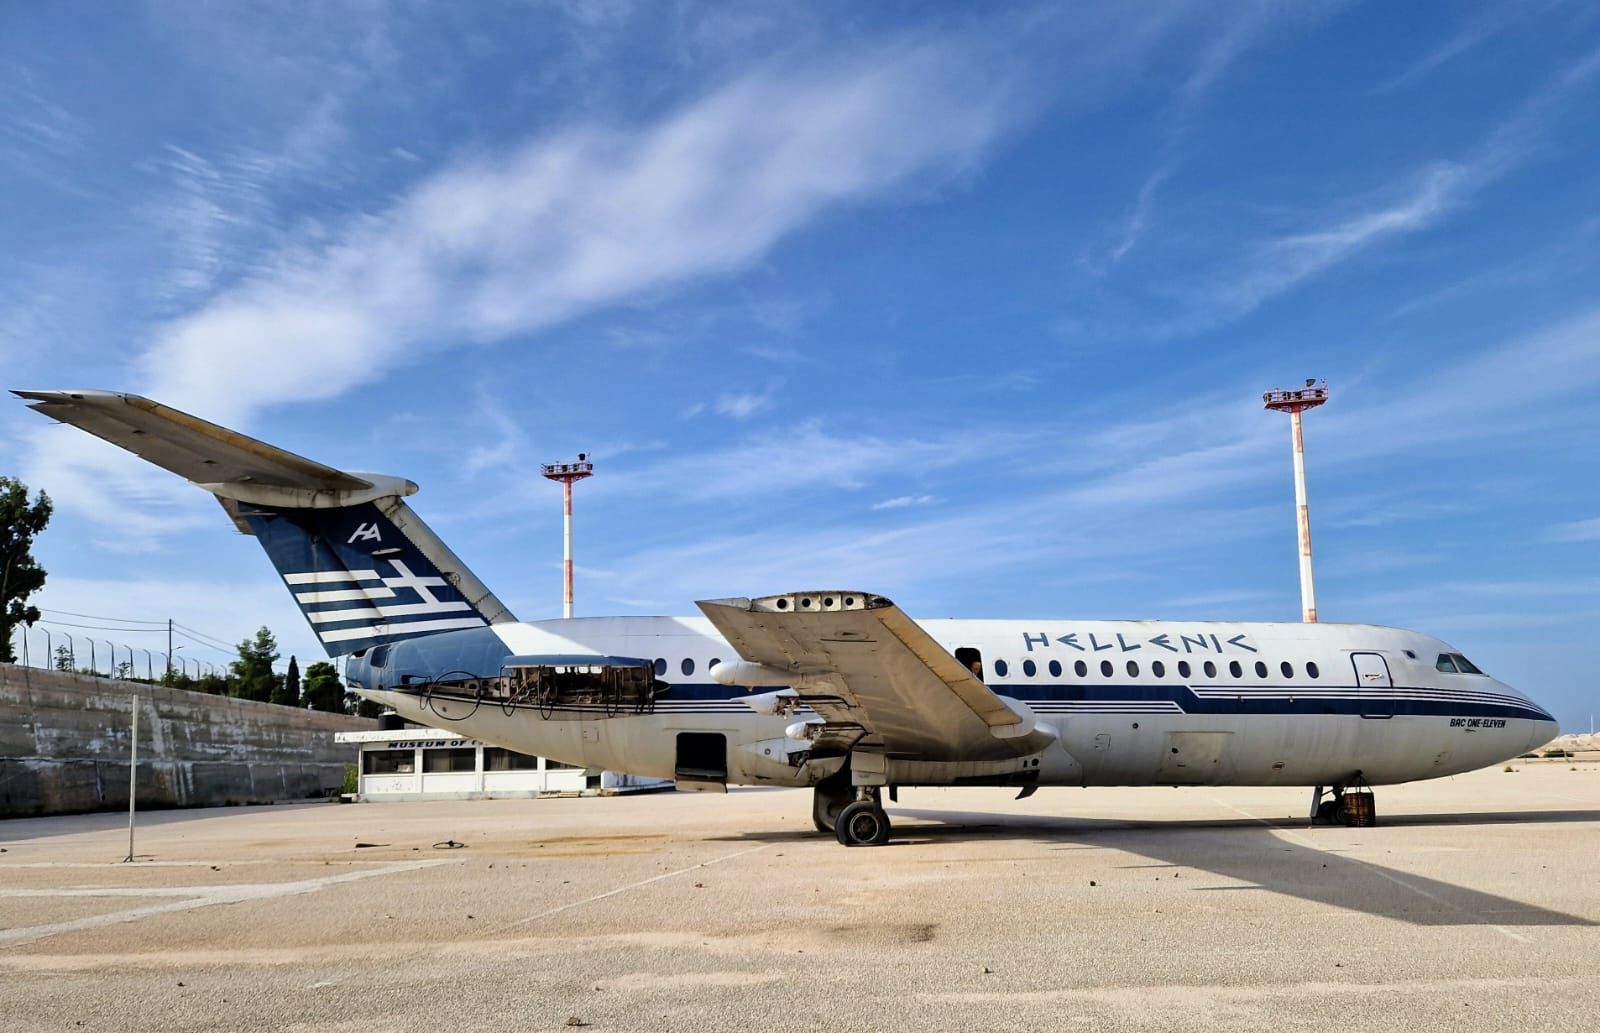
<point>362,566</point>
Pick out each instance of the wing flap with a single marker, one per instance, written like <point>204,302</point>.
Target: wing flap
<point>873,666</point>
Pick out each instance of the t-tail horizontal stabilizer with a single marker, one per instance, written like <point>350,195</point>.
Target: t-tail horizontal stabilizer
<point>362,566</point>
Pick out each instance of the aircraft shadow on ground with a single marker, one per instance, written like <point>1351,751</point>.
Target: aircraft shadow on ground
<point>1247,851</point>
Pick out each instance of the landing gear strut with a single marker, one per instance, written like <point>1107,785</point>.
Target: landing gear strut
<point>829,798</point>
<point>864,822</point>
<point>1351,805</point>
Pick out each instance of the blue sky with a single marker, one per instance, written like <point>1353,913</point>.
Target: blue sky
<point>968,306</point>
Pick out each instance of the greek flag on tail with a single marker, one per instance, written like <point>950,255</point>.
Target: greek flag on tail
<point>358,578</point>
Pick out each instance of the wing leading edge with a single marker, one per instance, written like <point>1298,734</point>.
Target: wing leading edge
<point>861,663</point>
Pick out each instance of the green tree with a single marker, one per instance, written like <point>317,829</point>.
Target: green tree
<point>287,692</point>
<point>213,684</point>
<point>322,689</point>
<point>63,658</point>
<point>20,573</point>
<point>253,669</point>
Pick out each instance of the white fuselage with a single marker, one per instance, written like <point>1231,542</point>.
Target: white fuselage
<point>1133,703</point>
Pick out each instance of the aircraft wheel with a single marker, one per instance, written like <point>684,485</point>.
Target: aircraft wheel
<point>863,823</point>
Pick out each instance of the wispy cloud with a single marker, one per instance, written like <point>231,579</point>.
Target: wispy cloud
<point>1138,219</point>
<point>1575,531</point>
<point>807,457</point>
<point>1242,28</point>
<point>1488,21</point>
<point>906,502</point>
<point>36,134</point>
<point>573,221</point>
<point>1276,264</point>
<point>741,405</point>
<point>580,220</point>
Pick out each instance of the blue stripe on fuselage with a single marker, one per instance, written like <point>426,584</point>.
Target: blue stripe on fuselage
<point>479,652</point>
<point>1087,697</point>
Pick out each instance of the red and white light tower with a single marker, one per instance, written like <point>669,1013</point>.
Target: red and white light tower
<point>1294,403</point>
<point>566,473</point>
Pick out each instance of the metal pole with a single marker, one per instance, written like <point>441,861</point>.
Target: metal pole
<point>566,544</point>
<point>169,647</point>
<point>94,664</point>
<point>133,775</point>
<point>1308,592</point>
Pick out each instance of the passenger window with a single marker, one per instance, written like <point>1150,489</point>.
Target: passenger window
<point>1234,669</point>
<point>1183,668</point>
<point>687,667</point>
<point>1081,669</point>
<point>1105,668</point>
<point>1211,669</point>
<point>1287,668</point>
<point>1055,668</point>
<point>1464,665</point>
<point>1312,669</point>
<point>661,666</point>
<point>1445,664</point>
<point>1133,669</point>
<point>1030,668</point>
<point>1158,669</point>
<point>1000,668</point>
<point>1261,669</point>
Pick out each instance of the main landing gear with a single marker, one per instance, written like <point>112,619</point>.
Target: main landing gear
<point>1352,805</point>
<point>829,799</point>
<point>863,823</point>
<point>852,813</point>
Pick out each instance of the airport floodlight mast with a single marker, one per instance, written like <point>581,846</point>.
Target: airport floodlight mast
<point>567,473</point>
<point>1294,403</point>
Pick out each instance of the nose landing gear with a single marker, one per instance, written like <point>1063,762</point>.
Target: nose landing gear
<point>1352,805</point>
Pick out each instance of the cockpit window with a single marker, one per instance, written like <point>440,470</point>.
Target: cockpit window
<point>1444,663</point>
<point>1464,665</point>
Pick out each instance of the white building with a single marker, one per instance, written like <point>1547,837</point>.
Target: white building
<point>433,764</point>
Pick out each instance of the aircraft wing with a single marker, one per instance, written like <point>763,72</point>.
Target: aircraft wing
<point>190,447</point>
<point>876,677</point>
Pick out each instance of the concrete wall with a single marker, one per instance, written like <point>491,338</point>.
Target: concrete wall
<point>64,746</point>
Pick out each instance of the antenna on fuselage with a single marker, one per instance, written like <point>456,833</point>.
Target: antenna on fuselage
<point>1294,403</point>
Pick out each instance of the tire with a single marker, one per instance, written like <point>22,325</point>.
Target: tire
<point>863,823</point>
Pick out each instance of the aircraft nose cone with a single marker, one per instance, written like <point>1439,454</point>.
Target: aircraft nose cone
<point>1541,733</point>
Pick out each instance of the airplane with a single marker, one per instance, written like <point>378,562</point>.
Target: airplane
<point>837,690</point>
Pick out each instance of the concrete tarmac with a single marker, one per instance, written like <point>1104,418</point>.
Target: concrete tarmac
<point>1475,905</point>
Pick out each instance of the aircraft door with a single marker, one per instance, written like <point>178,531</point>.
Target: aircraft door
<point>1373,682</point>
<point>702,763</point>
